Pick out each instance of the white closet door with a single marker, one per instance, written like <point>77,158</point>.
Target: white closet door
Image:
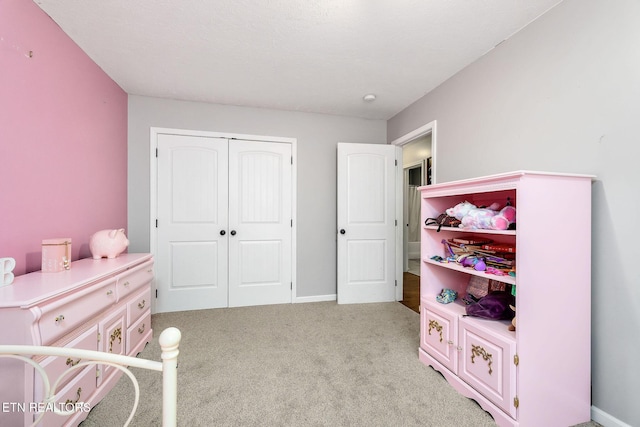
<point>366,222</point>
<point>191,265</point>
<point>259,223</point>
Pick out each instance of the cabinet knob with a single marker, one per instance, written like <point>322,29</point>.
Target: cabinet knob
<point>141,329</point>
<point>232,232</point>
<point>342,231</point>
<point>222,232</point>
<point>142,304</point>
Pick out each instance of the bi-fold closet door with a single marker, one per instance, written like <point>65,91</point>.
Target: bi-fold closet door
<point>224,222</point>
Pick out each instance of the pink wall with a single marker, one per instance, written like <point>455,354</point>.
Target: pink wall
<point>63,139</point>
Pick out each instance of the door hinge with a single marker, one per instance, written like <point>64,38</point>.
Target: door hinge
<point>291,223</point>
<point>98,336</point>
<point>396,222</point>
<point>516,402</point>
<point>291,285</point>
<point>156,223</point>
<point>156,293</point>
<point>291,159</point>
<point>396,162</point>
<point>396,283</point>
<point>156,152</point>
<point>516,360</point>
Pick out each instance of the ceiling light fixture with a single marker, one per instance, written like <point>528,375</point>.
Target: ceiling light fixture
<point>370,97</point>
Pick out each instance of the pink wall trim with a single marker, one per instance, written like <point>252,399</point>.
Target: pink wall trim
<point>63,139</point>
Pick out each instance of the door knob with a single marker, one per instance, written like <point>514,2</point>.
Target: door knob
<point>342,231</point>
<point>222,232</point>
<point>233,232</point>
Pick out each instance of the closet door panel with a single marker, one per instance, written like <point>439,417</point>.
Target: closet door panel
<point>259,223</point>
<point>192,214</point>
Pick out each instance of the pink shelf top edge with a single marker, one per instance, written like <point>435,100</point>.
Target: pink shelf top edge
<point>503,177</point>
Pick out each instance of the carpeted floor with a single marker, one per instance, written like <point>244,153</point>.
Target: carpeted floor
<point>316,364</point>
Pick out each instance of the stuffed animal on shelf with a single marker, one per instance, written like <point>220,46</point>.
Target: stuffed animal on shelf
<point>460,210</point>
<point>473,218</point>
<point>504,218</point>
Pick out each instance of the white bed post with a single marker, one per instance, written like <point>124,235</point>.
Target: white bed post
<point>169,341</point>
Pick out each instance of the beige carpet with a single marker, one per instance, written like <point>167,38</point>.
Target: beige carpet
<point>316,364</point>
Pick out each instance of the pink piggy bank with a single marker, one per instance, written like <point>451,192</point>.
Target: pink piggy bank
<point>108,243</point>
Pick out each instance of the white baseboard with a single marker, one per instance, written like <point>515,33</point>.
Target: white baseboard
<point>605,419</point>
<point>316,298</point>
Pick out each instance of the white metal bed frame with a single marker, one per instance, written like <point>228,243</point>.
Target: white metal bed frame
<point>169,341</point>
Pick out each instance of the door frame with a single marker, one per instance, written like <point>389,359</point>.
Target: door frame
<point>429,128</point>
<point>405,205</point>
<point>153,187</point>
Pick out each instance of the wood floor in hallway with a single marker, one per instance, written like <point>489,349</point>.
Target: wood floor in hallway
<point>411,291</point>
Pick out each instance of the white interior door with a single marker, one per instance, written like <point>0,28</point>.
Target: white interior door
<point>367,222</point>
<point>260,223</point>
<point>191,265</point>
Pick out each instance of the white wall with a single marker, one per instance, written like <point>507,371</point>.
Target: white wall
<point>317,136</point>
<point>563,95</point>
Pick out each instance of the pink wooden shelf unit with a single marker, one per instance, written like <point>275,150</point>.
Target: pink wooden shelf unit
<point>539,374</point>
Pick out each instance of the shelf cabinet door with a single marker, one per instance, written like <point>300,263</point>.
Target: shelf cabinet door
<point>487,364</point>
<point>438,333</point>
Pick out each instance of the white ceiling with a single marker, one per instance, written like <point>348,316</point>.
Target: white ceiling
<point>317,56</point>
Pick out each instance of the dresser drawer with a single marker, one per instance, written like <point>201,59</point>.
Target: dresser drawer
<point>64,315</point>
<point>56,366</point>
<point>487,364</point>
<point>76,393</point>
<point>138,306</point>
<point>134,279</point>
<point>139,334</point>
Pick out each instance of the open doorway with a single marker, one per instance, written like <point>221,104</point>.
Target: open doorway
<point>418,163</point>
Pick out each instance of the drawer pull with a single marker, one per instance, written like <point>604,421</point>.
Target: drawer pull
<point>477,350</point>
<point>435,325</point>
<point>141,329</point>
<point>70,362</point>
<point>150,270</point>
<point>142,304</point>
<point>109,292</point>
<point>78,392</point>
<point>117,334</point>
<point>126,283</point>
<point>59,319</point>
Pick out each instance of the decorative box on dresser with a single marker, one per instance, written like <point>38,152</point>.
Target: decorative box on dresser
<point>99,305</point>
<point>539,374</point>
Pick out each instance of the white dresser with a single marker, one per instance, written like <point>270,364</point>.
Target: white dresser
<point>99,305</point>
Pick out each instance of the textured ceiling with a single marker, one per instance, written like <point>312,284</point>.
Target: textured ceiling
<point>317,56</point>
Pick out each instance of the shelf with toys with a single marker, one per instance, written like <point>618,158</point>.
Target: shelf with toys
<point>506,278</point>
<point>509,372</point>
